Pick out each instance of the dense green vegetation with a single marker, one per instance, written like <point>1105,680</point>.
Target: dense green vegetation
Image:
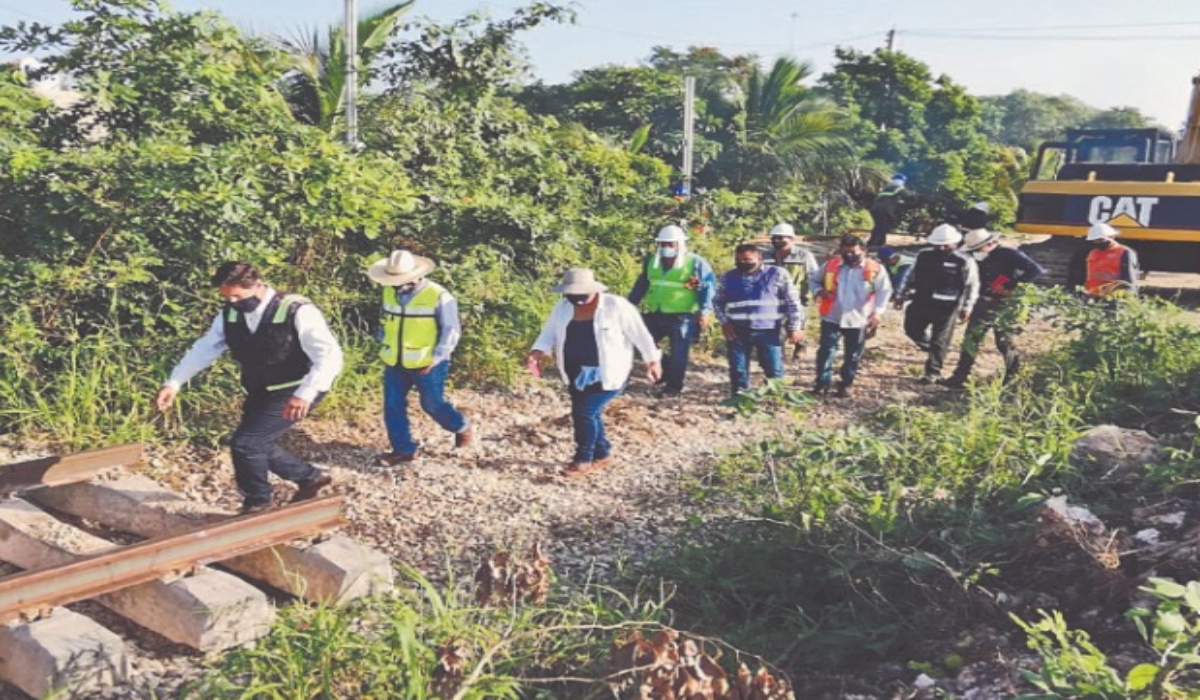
<point>194,143</point>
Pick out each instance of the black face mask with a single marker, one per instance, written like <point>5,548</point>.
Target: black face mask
<point>247,305</point>
<point>1102,244</point>
<point>851,259</point>
<point>578,299</point>
<point>405,288</point>
<point>779,243</point>
<point>746,267</point>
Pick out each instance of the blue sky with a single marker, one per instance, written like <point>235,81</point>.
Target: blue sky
<point>1106,52</point>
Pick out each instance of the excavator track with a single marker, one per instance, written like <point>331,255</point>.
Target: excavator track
<point>1054,254</point>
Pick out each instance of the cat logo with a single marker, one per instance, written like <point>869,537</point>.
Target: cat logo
<point>1123,212</point>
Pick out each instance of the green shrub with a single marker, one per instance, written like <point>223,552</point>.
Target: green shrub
<point>854,535</point>
<point>1072,666</point>
<point>431,642</point>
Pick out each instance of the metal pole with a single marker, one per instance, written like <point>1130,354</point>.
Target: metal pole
<point>689,118</point>
<point>351,97</point>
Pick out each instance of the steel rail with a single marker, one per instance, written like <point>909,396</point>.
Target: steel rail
<point>28,593</point>
<point>53,471</point>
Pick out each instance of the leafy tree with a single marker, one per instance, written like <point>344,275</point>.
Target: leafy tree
<point>888,90</point>
<point>782,128</point>
<point>469,59</point>
<point>929,128</point>
<point>140,74</point>
<point>620,101</point>
<point>179,154</point>
<point>1025,119</point>
<point>315,87</point>
<point>1119,118</point>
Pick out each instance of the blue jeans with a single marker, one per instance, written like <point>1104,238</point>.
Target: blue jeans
<point>746,340</point>
<point>680,330</point>
<point>397,382</point>
<point>827,350</point>
<point>256,452</point>
<point>586,406</point>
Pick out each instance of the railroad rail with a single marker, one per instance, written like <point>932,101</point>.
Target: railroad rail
<point>160,583</point>
<point>54,471</point>
<point>28,595</point>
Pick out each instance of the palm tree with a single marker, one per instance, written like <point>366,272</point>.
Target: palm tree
<point>315,85</point>
<point>782,128</point>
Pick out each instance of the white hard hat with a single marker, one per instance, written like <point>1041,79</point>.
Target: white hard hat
<point>671,234</point>
<point>945,234</point>
<point>1099,231</point>
<point>978,238</point>
<point>784,230</point>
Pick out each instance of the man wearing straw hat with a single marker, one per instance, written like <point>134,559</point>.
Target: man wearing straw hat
<point>420,330</point>
<point>592,336</point>
<point>289,359</point>
<point>1001,270</point>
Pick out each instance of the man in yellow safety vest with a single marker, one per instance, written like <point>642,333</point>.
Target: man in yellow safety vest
<point>419,329</point>
<point>675,290</point>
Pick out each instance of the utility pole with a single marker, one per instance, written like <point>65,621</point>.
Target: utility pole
<point>891,39</point>
<point>351,97</point>
<point>689,119</point>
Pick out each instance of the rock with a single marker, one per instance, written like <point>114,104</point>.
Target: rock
<point>1115,454</point>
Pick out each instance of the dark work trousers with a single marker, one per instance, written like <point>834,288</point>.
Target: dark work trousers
<point>983,319</point>
<point>883,223</point>
<point>680,330</point>
<point>930,325</point>
<point>255,449</point>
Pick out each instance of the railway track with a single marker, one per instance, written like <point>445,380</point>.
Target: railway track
<point>85,527</point>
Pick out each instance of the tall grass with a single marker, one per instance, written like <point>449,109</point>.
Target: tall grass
<point>429,642</point>
<point>863,542</point>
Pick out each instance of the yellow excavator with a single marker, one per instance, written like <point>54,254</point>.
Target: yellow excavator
<point>1144,182</point>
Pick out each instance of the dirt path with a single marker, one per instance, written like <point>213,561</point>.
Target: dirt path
<point>504,491</point>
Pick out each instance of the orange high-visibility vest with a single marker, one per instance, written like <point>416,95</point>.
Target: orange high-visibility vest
<point>1104,270</point>
<point>829,280</point>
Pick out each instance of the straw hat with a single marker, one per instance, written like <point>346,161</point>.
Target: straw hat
<point>401,267</point>
<point>978,238</point>
<point>579,280</point>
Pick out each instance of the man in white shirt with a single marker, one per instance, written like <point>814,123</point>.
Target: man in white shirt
<point>852,292</point>
<point>289,359</point>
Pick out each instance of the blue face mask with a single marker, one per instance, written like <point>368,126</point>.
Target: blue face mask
<point>668,253</point>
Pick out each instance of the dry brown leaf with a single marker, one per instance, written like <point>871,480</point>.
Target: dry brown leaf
<point>448,674</point>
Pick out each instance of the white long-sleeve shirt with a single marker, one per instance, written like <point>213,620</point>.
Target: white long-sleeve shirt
<point>619,329</point>
<point>316,340</point>
<point>857,299</point>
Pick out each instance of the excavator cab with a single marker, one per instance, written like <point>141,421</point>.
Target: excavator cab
<point>1074,157</point>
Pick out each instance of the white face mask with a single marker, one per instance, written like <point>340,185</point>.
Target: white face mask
<point>980,254</point>
<point>668,252</point>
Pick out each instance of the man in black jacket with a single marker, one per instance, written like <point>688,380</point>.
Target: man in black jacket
<point>943,287</point>
<point>1001,269</point>
<point>289,359</point>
